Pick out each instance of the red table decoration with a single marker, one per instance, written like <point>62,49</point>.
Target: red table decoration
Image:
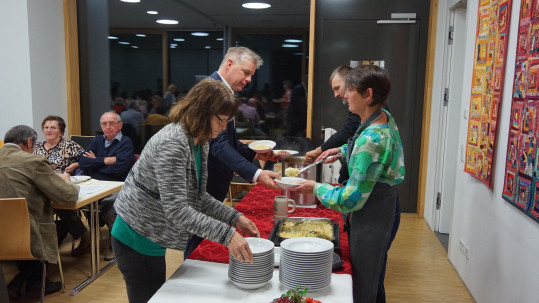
<point>257,205</point>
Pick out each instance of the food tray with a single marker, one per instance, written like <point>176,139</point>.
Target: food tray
<point>275,238</point>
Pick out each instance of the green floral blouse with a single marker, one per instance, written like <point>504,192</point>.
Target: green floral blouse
<point>377,156</point>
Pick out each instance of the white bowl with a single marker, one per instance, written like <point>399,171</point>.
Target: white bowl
<point>284,153</point>
<point>256,146</point>
<point>259,245</point>
<point>289,182</point>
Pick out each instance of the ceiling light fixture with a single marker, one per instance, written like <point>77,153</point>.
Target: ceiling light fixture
<point>179,39</point>
<point>140,35</point>
<point>289,45</point>
<point>207,47</point>
<point>293,41</point>
<point>256,4</point>
<point>199,34</point>
<point>112,37</point>
<point>219,39</point>
<point>167,21</point>
<point>125,43</point>
<point>134,46</point>
<point>131,1</point>
<point>151,12</point>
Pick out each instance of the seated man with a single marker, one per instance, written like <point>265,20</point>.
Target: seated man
<point>26,175</point>
<point>109,157</point>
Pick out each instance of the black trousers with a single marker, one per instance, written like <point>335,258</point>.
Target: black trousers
<point>143,274</point>
<point>70,222</point>
<point>370,236</point>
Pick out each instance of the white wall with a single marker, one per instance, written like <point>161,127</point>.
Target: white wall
<point>503,242</point>
<point>33,80</point>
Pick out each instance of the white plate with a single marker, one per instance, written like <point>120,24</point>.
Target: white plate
<point>289,182</point>
<point>284,153</point>
<point>79,179</point>
<point>249,286</point>
<point>256,146</point>
<point>307,245</point>
<point>277,253</point>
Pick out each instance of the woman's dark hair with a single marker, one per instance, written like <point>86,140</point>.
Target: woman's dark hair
<point>205,100</point>
<point>373,77</point>
<point>60,120</point>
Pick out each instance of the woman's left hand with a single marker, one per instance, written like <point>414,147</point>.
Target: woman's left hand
<point>306,187</point>
<point>247,227</point>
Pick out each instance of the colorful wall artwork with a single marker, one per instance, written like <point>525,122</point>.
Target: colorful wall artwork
<point>521,184</point>
<point>487,86</point>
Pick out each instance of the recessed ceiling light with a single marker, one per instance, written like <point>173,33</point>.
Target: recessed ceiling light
<point>173,44</point>
<point>134,46</point>
<point>151,12</point>
<point>112,37</point>
<point>289,45</point>
<point>298,54</point>
<point>167,21</point>
<point>123,42</point>
<point>140,35</point>
<point>256,5</point>
<point>179,39</point>
<point>219,39</point>
<point>293,41</point>
<point>207,47</point>
<point>131,1</point>
<point>199,34</point>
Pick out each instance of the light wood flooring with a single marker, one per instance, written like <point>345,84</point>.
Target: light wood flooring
<point>418,271</point>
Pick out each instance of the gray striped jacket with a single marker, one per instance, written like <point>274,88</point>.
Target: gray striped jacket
<point>162,200</point>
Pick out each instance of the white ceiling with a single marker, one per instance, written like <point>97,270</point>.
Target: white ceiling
<point>208,14</point>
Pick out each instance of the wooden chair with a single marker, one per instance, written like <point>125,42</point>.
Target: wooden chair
<point>15,236</point>
<point>234,189</point>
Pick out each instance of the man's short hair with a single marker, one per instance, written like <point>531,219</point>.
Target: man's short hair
<point>19,135</point>
<point>341,71</point>
<point>240,54</point>
<point>118,118</point>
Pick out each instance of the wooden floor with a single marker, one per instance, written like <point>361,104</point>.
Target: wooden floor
<point>418,271</point>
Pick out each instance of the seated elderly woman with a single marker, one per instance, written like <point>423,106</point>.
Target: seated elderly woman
<point>63,156</point>
<point>164,202</point>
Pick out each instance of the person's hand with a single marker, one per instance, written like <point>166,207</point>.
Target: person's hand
<point>65,177</point>
<point>267,156</point>
<point>239,248</point>
<point>312,155</point>
<point>306,187</point>
<point>72,168</point>
<point>110,160</point>
<point>266,178</point>
<point>329,152</point>
<point>247,227</point>
<point>89,154</point>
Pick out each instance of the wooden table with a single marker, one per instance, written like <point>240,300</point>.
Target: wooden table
<point>106,188</point>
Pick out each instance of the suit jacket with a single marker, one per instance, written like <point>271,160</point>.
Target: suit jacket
<point>25,175</point>
<point>228,155</point>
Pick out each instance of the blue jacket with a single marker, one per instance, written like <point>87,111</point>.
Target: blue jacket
<point>227,155</point>
<point>96,168</point>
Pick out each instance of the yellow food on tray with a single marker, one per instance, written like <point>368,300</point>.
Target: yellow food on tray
<point>321,229</point>
<point>261,147</point>
<point>291,172</point>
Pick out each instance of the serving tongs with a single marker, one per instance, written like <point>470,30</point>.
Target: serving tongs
<point>319,161</point>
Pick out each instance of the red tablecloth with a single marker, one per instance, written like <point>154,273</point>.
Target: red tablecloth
<point>257,205</point>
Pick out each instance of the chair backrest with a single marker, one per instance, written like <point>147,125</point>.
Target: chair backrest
<point>14,230</point>
<point>83,141</point>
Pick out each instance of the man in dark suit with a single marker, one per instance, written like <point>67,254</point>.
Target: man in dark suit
<point>227,153</point>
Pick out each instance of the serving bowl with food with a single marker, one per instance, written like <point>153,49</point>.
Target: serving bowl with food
<point>262,146</point>
<point>289,182</point>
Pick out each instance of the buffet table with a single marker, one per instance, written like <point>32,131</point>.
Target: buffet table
<point>204,276</point>
<point>257,205</point>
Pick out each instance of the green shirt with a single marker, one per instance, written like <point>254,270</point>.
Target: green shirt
<point>377,157</point>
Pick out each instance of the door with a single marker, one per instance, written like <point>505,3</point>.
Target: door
<point>398,46</point>
<point>449,156</point>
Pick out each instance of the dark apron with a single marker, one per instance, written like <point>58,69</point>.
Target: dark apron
<point>370,237</point>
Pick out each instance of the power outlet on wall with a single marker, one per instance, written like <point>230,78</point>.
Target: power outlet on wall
<point>464,249</point>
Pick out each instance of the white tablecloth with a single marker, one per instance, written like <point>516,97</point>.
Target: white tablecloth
<point>201,281</point>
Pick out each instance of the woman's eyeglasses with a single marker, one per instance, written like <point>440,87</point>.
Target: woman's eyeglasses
<point>221,121</point>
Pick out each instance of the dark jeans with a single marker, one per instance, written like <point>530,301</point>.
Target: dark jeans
<point>70,222</point>
<point>143,275</point>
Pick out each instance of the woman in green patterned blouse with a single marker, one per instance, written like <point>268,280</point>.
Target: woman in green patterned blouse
<point>376,165</point>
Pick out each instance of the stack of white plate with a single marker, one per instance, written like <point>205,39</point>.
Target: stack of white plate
<point>252,276</point>
<point>306,262</point>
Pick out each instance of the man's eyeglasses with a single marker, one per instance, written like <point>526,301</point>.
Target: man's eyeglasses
<point>104,124</point>
<point>221,121</point>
